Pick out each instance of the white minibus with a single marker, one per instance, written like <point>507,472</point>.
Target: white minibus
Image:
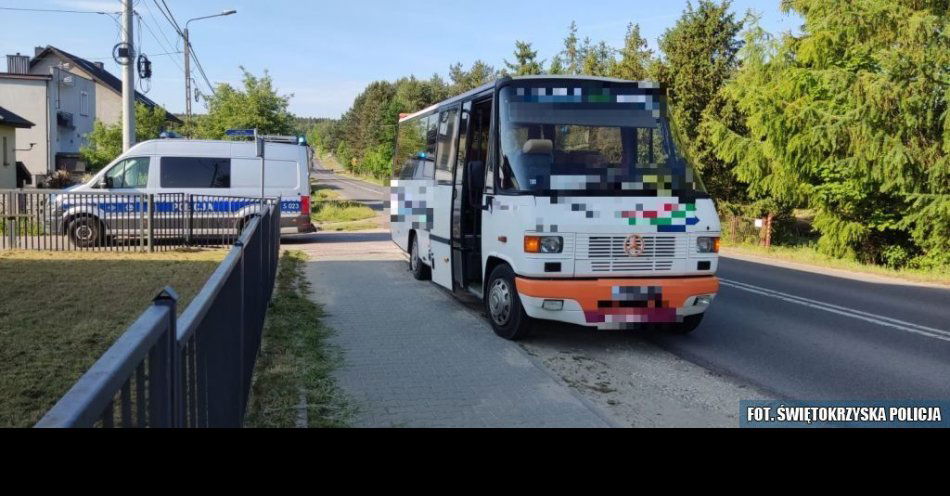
<point>557,198</point>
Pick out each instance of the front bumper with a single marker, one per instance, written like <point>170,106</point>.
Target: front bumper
<point>617,303</point>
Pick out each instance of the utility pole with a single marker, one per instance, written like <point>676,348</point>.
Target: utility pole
<point>187,75</point>
<point>188,94</point>
<point>128,79</point>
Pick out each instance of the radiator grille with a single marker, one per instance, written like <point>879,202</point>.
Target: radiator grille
<point>606,253</point>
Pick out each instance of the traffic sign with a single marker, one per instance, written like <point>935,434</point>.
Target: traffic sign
<point>249,133</point>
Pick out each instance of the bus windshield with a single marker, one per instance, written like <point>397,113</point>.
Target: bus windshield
<point>589,138</point>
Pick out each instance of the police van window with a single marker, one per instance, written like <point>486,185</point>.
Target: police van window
<point>129,173</point>
<point>195,172</point>
<point>447,140</point>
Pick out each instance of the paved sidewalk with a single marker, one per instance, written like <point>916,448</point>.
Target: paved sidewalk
<point>416,357</point>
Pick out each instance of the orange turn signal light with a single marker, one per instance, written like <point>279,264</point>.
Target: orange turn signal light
<point>532,244</point>
<point>716,244</point>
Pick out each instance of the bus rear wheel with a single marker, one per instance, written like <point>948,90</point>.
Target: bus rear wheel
<point>420,271</point>
<point>507,315</point>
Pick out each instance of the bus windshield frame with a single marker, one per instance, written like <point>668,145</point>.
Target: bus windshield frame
<point>580,137</point>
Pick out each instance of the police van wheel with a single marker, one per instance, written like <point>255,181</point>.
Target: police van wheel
<point>507,315</point>
<point>688,325</point>
<point>85,232</point>
<point>420,271</point>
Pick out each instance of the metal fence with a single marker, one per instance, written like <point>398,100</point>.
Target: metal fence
<point>193,371</point>
<point>61,220</point>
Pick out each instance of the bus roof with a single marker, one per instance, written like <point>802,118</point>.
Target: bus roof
<point>488,86</point>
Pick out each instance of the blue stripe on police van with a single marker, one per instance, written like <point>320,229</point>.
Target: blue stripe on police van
<point>287,206</point>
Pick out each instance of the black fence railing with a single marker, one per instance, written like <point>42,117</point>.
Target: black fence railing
<point>193,371</point>
<point>59,220</point>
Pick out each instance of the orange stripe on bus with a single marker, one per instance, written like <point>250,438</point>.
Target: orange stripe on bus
<point>589,293</point>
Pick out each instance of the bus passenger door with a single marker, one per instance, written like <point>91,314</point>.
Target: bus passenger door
<point>458,199</point>
<point>440,241</point>
<point>467,197</point>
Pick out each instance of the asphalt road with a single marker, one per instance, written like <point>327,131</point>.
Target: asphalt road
<point>809,336</point>
<point>792,334</point>
<point>372,195</point>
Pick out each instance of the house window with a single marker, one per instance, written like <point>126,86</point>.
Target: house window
<point>6,152</point>
<point>84,103</point>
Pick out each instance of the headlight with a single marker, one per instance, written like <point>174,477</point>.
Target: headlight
<point>707,245</point>
<point>543,244</point>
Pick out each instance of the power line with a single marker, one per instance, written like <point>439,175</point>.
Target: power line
<point>170,17</point>
<point>158,26</point>
<point>59,11</point>
<point>169,51</point>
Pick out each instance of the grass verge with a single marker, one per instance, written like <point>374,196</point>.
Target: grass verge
<point>340,211</point>
<point>293,383</point>
<point>60,311</point>
<point>811,256</point>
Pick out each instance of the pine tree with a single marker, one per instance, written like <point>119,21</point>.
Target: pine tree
<point>599,59</point>
<point>851,118</point>
<point>635,57</point>
<point>700,55</point>
<point>526,63</point>
<point>571,54</point>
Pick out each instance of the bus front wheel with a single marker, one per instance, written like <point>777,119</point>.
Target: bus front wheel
<point>507,315</point>
<point>688,325</point>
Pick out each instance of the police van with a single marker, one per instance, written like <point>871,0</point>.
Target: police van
<point>217,181</point>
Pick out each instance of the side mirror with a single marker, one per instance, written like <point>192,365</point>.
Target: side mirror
<point>104,183</point>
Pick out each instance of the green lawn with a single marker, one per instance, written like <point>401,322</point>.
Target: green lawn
<point>60,311</point>
<point>293,385</point>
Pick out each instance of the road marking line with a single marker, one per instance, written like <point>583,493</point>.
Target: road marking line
<point>930,332</point>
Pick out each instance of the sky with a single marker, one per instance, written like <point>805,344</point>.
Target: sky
<point>324,52</point>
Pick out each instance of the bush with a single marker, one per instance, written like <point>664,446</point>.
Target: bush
<point>60,179</point>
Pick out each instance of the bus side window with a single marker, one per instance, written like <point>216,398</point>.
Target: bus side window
<point>427,169</point>
<point>447,140</point>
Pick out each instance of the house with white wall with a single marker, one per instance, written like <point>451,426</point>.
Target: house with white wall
<point>9,124</point>
<point>62,107</point>
<point>63,95</point>
<point>108,87</point>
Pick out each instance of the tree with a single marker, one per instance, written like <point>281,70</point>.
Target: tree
<point>700,54</point>
<point>104,143</point>
<point>571,55</point>
<point>256,106</point>
<point>526,62</point>
<point>635,57</point>
<point>480,73</point>
<point>557,66</point>
<point>851,118</point>
<point>598,60</point>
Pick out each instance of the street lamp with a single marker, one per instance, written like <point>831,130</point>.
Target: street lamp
<point>188,57</point>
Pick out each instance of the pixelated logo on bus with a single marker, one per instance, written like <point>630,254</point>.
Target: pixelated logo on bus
<point>409,203</point>
<point>672,217</point>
